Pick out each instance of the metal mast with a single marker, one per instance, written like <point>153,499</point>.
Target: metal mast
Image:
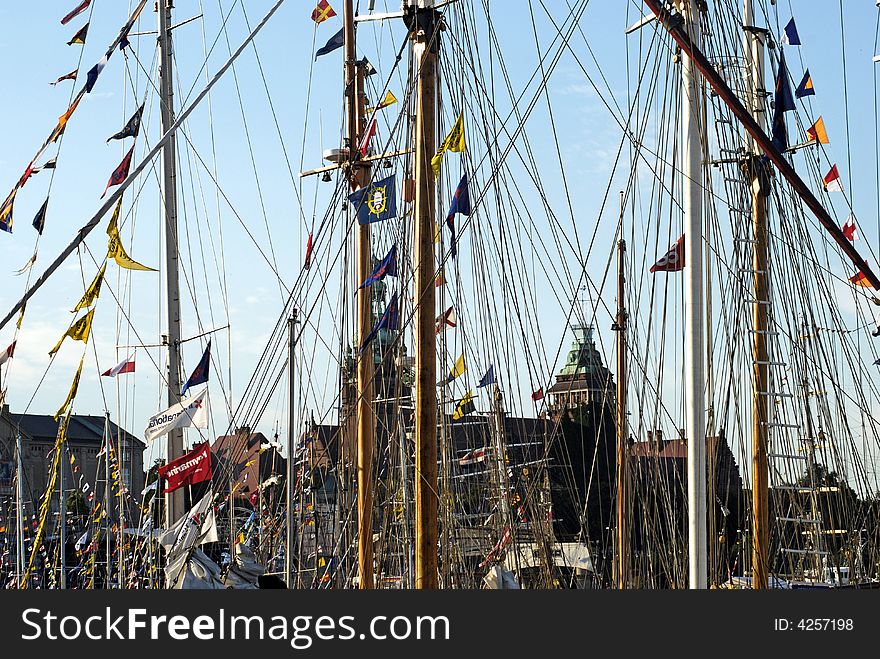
<point>62,508</point>
<point>423,25</point>
<point>360,175</point>
<point>760,188</point>
<point>621,562</point>
<point>174,502</point>
<point>291,449</point>
<point>107,495</point>
<point>695,408</point>
<point>19,509</point>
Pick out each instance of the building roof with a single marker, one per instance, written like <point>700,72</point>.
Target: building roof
<point>675,448</point>
<point>82,428</point>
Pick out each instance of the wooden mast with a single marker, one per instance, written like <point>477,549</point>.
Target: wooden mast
<point>360,175</point>
<point>760,188</point>
<point>621,557</point>
<point>423,25</point>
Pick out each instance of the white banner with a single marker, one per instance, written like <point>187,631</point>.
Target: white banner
<point>192,412</point>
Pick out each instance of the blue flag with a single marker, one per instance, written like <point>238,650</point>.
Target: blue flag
<point>200,374</point>
<point>791,36</point>
<point>489,378</point>
<point>336,41</point>
<point>388,321</point>
<point>387,266</point>
<point>461,203</point>
<point>806,86</point>
<point>376,202</point>
<point>784,102</point>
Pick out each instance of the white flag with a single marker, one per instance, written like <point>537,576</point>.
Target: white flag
<point>197,527</point>
<point>192,412</point>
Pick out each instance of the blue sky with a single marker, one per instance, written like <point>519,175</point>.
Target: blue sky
<point>34,53</point>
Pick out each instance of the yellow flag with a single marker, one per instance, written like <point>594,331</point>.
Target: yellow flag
<point>115,250</point>
<point>389,99</point>
<point>79,331</point>
<point>465,406</point>
<point>453,142</point>
<point>72,394</point>
<point>817,133</point>
<point>20,316</point>
<point>92,292</point>
<point>458,369</point>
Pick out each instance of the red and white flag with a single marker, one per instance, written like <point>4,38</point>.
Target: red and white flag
<point>475,456</point>
<point>849,229</point>
<point>832,180</point>
<point>125,366</point>
<point>447,318</point>
<point>673,260</point>
<point>365,142</point>
<point>6,355</point>
<point>189,469</point>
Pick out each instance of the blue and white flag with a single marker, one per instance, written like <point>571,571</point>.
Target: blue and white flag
<point>790,36</point>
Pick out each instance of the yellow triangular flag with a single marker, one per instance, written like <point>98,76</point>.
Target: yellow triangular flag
<point>453,142</point>
<point>464,407</point>
<point>817,133</point>
<point>79,331</point>
<point>115,250</point>
<point>20,316</point>
<point>92,292</point>
<point>72,393</point>
<point>389,99</point>
<point>458,369</point>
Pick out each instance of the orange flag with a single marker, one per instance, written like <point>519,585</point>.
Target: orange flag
<point>817,133</point>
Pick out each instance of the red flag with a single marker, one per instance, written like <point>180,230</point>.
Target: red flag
<point>28,172</point>
<point>76,11</point>
<point>322,12</point>
<point>189,469</point>
<point>365,142</point>
<point>308,260</point>
<point>673,260</point>
<point>849,229</point>
<point>539,394</point>
<point>121,172</point>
